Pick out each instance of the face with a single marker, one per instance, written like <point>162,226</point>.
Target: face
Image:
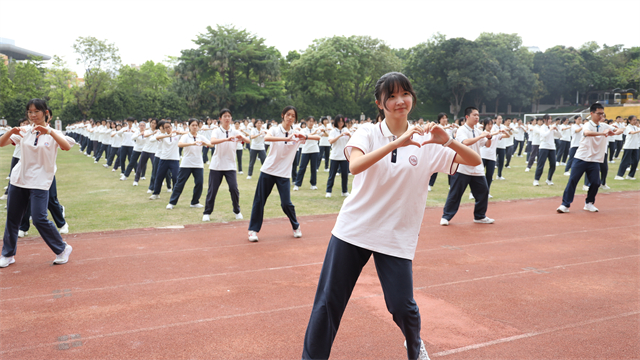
<point>258,125</point>
<point>167,128</point>
<point>237,125</point>
<point>193,128</point>
<point>310,123</point>
<point>289,118</point>
<point>225,120</point>
<point>444,120</point>
<point>473,118</point>
<point>142,127</point>
<point>398,104</point>
<point>499,120</point>
<point>36,116</point>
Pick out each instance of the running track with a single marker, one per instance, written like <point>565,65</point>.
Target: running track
<point>534,285</point>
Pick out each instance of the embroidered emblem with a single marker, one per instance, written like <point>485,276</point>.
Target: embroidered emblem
<point>413,160</point>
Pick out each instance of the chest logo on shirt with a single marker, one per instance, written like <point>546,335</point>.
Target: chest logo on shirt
<point>46,144</point>
<point>413,160</point>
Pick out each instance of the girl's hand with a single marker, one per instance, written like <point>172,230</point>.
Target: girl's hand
<point>199,143</point>
<point>407,138</point>
<point>438,135</point>
<point>15,131</point>
<point>41,129</point>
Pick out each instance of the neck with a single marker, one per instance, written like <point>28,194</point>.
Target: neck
<point>397,126</point>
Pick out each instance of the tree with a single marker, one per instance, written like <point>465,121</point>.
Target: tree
<point>6,88</point>
<point>29,80</point>
<point>101,61</point>
<point>562,70</point>
<point>59,80</point>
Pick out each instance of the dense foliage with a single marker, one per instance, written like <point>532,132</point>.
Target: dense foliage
<point>232,68</point>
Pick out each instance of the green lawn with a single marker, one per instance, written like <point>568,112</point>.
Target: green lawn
<point>96,200</point>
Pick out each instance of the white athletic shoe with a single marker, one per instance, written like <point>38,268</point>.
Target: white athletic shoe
<point>490,196</point>
<point>605,187</point>
<point>297,233</point>
<point>295,188</point>
<point>154,197</point>
<point>423,351</point>
<point>549,182</point>
<point>197,206</point>
<point>326,170</point>
<point>536,183</point>
<point>143,178</point>
<point>3,197</point>
<point>612,162</point>
<point>618,178</point>
<point>345,194</point>
<point>629,178</point>
<point>471,196</point>
<point>327,195</point>
<point>169,190</point>
<point>444,222</point>
<point>585,188</point>
<point>105,165</point>
<point>64,229</point>
<point>149,191</point>
<point>486,220</point>
<point>501,178</point>
<point>6,261</point>
<point>206,217</point>
<point>22,234</point>
<point>567,173</point>
<point>508,167</point>
<point>590,207</point>
<point>562,209</point>
<point>63,257</point>
<point>135,183</point>
<point>558,163</point>
<point>95,161</point>
<point>122,177</point>
<point>239,216</point>
<point>253,236</point>
<point>527,170</point>
<point>169,207</point>
<point>429,189</point>
<point>314,188</point>
<point>249,177</point>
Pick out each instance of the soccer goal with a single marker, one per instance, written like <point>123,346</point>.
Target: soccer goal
<point>584,114</point>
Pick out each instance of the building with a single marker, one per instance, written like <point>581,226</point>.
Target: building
<point>12,52</point>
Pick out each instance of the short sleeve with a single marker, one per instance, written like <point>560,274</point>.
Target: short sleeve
<point>360,139</point>
<point>461,135</point>
<point>15,139</point>
<point>70,140</point>
<point>272,131</point>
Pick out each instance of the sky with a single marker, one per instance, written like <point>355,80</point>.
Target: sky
<point>152,30</point>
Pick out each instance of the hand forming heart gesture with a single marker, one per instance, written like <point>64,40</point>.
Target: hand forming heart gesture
<point>438,135</point>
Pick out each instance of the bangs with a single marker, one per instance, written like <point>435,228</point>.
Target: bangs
<point>39,104</point>
<point>395,82</point>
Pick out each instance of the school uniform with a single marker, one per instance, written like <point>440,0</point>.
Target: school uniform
<point>510,146</point>
<point>126,149</point>
<point>169,160</point>
<point>276,170</point>
<point>488,155</point>
<point>138,140</point>
<point>257,148</point>
<point>518,135</point>
<point>547,151</point>
<point>14,161</point>
<point>501,150</point>
<point>192,164</point>
<point>239,150</point>
<point>472,176</point>
<point>619,139</point>
<point>575,143</point>
<point>223,165</point>
<point>115,150</point>
<point>590,154</point>
<point>310,154</point>
<point>338,160</point>
<point>380,194</point>
<point>631,152</point>
<point>325,147</point>
<point>148,153</point>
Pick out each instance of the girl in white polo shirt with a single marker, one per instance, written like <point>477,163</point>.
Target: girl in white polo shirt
<point>225,138</point>
<point>338,138</point>
<point>169,156</point>
<point>31,179</point>
<point>257,148</point>
<point>391,162</point>
<point>192,163</point>
<point>276,170</point>
<point>310,156</point>
<point>325,146</point>
<point>114,157</point>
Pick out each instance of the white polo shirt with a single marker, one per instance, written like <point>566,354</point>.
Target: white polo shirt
<point>547,139</point>
<point>37,166</point>
<point>463,133</point>
<point>281,154</point>
<point>192,155</point>
<point>257,143</point>
<point>384,211</point>
<point>518,133</point>
<point>593,148</point>
<point>535,135</point>
<point>502,143</point>
<point>168,147</point>
<point>310,146</point>
<point>150,144</point>
<point>224,157</point>
<point>576,136</point>
<point>633,140</point>
<point>139,142</point>
<point>565,131</point>
<point>127,136</point>
<point>117,139</point>
<point>489,153</point>
<point>324,139</point>
<point>337,148</point>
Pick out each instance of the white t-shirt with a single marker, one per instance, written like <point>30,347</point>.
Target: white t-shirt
<point>337,148</point>
<point>463,133</point>
<point>565,131</point>
<point>593,148</point>
<point>518,133</point>
<point>633,140</point>
<point>619,125</point>
<point>168,147</point>
<point>281,154</point>
<point>310,146</point>
<point>257,143</point>
<point>384,211</point>
<point>324,139</point>
<point>224,157</point>
<point>489,153</point>
<point>37,166</point>
<point>547,138</point>
<point>139,142</point>
<point>127,136</point>
<point>192,155</point>
<point>576,136</point>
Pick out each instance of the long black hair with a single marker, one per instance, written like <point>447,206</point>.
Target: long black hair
<point>387,85</point>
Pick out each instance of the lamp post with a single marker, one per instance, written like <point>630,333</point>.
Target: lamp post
<point>362,117</point>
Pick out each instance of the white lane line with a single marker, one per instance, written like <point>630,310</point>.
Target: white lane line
<point>532,334</point>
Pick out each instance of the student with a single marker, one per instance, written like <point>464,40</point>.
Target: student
<point>631,153</point>
<point>325,146</point>
<point>338,138</point>
<point>192,164</point>
<point>443,120</point>
<point>277,171</point>
<point>565,141</point>
<point>518,135</point>
<point>501,150</point>
<point>590,153</point>
<point>472,176</point>
<point>31,179</point>
<point>168,154</point>
<point>310,154</point>
<point>115,148</point>
<point>395,158</point>
<point>257,148</point>
<point>225,138</point>
<point>239,145</point>
<point>510,144</point>
<point>576,136</point>
<point>535,144</point>
<point>139,141</point>
<point>126,149</point>
<point>148,151</point>
<point>488,151</point>
<point>547,150</point>
<point>619,139</point>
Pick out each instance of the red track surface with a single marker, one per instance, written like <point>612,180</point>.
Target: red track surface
<point>534,285</point>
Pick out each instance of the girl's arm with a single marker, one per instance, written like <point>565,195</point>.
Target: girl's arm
<point>62,142</point>
<point>5,139</point>
<point>359,162</point>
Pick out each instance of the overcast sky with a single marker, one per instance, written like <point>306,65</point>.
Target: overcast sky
<point>151,30</point>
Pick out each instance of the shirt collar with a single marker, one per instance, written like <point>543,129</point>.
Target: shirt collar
<point>385,129</point>
<point>594,124</point>
<point>468,127</point>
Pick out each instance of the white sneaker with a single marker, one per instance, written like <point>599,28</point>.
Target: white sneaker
<point>295,188</point>
<point>6,261</point>
<point>253,236</point>
<point>113,170</point>
<point>63,258</point>
<point>169,207</point>
<point>345,194</point>
<point>585,188</point>
<point>95,161</point>
<point>444,222</point>
<point>169,190</point>
<point>629,178</point>
<point>22,234</point>
<point>527,170</point>
<point>590,207</point>
<point>486,220</point>
<point>154,197</point>
<point>206,217</point>
<point>423,351</point>
<point>143,178</point>
<point>149,191</point>
<point>327,195</point>
<point>326,170</point>
<point>429,189</point>
<point>612,162</point>
<point>314,188</point>
<point>63,212</point>
<point>297,233</point>
<point>605,187</point>
<point>197,206</point>
<point>562,209</point>
<point>239,216</point>
<point>567,173</point>
<point>3,197</point>
<point>618,178</point>
<point>64,229</point>
<point>490,196</point>
<point>536,183</point>
<point>549,182</point>
<point>471,196</point>
<point>105,165</point>
<point>501,178</point>
<point>122,177</point>
<point>558,163</point>
<point>249,177</point>
<point>508,167</point>
<point>240,172</point>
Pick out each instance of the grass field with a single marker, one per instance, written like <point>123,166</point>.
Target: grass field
<point>95,200</point>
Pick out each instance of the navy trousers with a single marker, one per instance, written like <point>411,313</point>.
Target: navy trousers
<point>543,155</point>
<point>54,208</point>
<point>579,167</point>
<point>342,266</point>
<point>133,163</point>
<point>531,155</point>
<point>14,162</point>
<point>325,152</point>
<point>125,153</point>
<point>304,161</point>
<point>629,159</point>
<point>572,153</point>
<point>489,168</point>
<point>500,153</point>
<point>156,165</point>
<point>252,159</point>
<point>263,190</point>
<point>215,179</point>
<point>164,166</point>
<point>183,176</point>
<point>142,164</point>
<point>343,166</point>
<point>479,189</point>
